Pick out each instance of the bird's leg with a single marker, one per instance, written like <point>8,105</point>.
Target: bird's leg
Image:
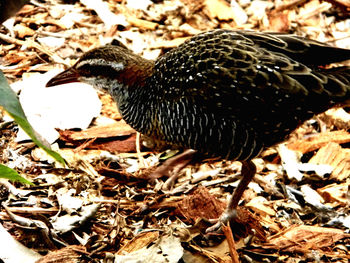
<point>174,164</point>
<point>248,171</point>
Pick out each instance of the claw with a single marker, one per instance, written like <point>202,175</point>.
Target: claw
<point>248,172</point>
<point>226,217</point>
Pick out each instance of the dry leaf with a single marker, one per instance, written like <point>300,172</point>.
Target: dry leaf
<point>334,155</point>
<point>140,241</point>
<point>219,9</point>
<point>335,193</point>
<point>305,238</point>
<point>200,204</point>
<point>23,31</point>
<point>317,141</point>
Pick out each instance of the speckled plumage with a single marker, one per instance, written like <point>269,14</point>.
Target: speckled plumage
<point>223,92</point>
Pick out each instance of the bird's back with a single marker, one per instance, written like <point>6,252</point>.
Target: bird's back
<point>231,93</point>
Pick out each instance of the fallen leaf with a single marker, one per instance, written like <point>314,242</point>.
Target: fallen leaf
<point>140,241</point>
<point>334,155</point>
<point>305,238</point>
<point>317,141</point>
<point>200,204</point>
<point>23,31</point>
<point>120,128</point>
<point>335,193</point>
<point>219,9</point>
<point>166,249</point>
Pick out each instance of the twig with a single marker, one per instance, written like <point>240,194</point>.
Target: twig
<point>343,5</point>
<point>289,5</point>
<point>85,144</point>
<point>31,44</point>
<point>142,163</point>
<point>231,242</point>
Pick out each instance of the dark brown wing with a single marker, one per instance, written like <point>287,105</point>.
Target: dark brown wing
<point>249,79</point>
<point>301,49</point>
<point>238,71</point>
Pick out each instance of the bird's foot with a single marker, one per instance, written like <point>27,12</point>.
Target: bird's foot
<point>241,221</point>
<point>226,217</point>
<point>173,165</point>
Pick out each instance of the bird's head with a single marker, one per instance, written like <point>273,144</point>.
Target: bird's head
<point>111,67</point>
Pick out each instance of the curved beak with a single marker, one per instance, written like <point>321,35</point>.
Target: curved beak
<point>67,76</point>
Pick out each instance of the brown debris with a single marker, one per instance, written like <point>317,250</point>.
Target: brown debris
<point>279,22</point>
<point>337,117</point>
<point>139,241</point>
<point>315,142</point>
<point>210,254</point>
<point>112,130</point>
<point>122,146</point>
<point>23,31</point>
<point>219,9</point>
<point>138,211</point>
<point>337,157</point>
<point>118,137</point>
<point>114,177</point>
<point>305,238</point>
<point>258,204</point>
<point>336,193</point>
<point>200,204</point>
<point>142,24</point>
<point>231,242</point>
<point>70,254</point>
<point>343,4</point>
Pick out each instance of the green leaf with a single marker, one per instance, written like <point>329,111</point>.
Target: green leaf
<point>8,173</point>
<point>9,101</point>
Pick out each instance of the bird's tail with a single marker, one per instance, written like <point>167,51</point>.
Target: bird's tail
<point>337,84</point>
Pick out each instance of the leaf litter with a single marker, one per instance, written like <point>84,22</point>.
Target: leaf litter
<point>105,206</point>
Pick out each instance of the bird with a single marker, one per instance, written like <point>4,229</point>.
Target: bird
<point>224,93</point>
<point>9,8</point>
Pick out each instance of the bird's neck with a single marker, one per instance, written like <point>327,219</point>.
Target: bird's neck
<point>133,95</point>
<point>136,73</point>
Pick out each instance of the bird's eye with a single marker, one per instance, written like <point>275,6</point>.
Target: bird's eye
<point>99,67</point>
<point>85,70</point>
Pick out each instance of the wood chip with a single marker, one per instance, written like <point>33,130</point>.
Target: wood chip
<point>142,24</point>
<point>23,31</point>
<point>219,9</point>
<point>231,242</point>
<point>258,204</point>
<point>305,238</point>
<point>337,117</point>
<point>200,204</point>
<point>139,241</point>
<point>101,8</point>
<point>335,193</point>
<point>279,21</point>
<point>70,254</point>
<point>337,157</point>
<point>113,130</point>
<point>319,140</point>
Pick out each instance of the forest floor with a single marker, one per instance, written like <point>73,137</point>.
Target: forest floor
<point>103,206</point>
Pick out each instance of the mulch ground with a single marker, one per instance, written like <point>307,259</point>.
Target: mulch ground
<point>104,206</point>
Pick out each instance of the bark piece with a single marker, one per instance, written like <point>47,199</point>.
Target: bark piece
<point>306,238</point>
<point>315,142</point>
<point>334,155</point>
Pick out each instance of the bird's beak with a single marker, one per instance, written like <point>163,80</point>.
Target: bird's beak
<point>67,76</point>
